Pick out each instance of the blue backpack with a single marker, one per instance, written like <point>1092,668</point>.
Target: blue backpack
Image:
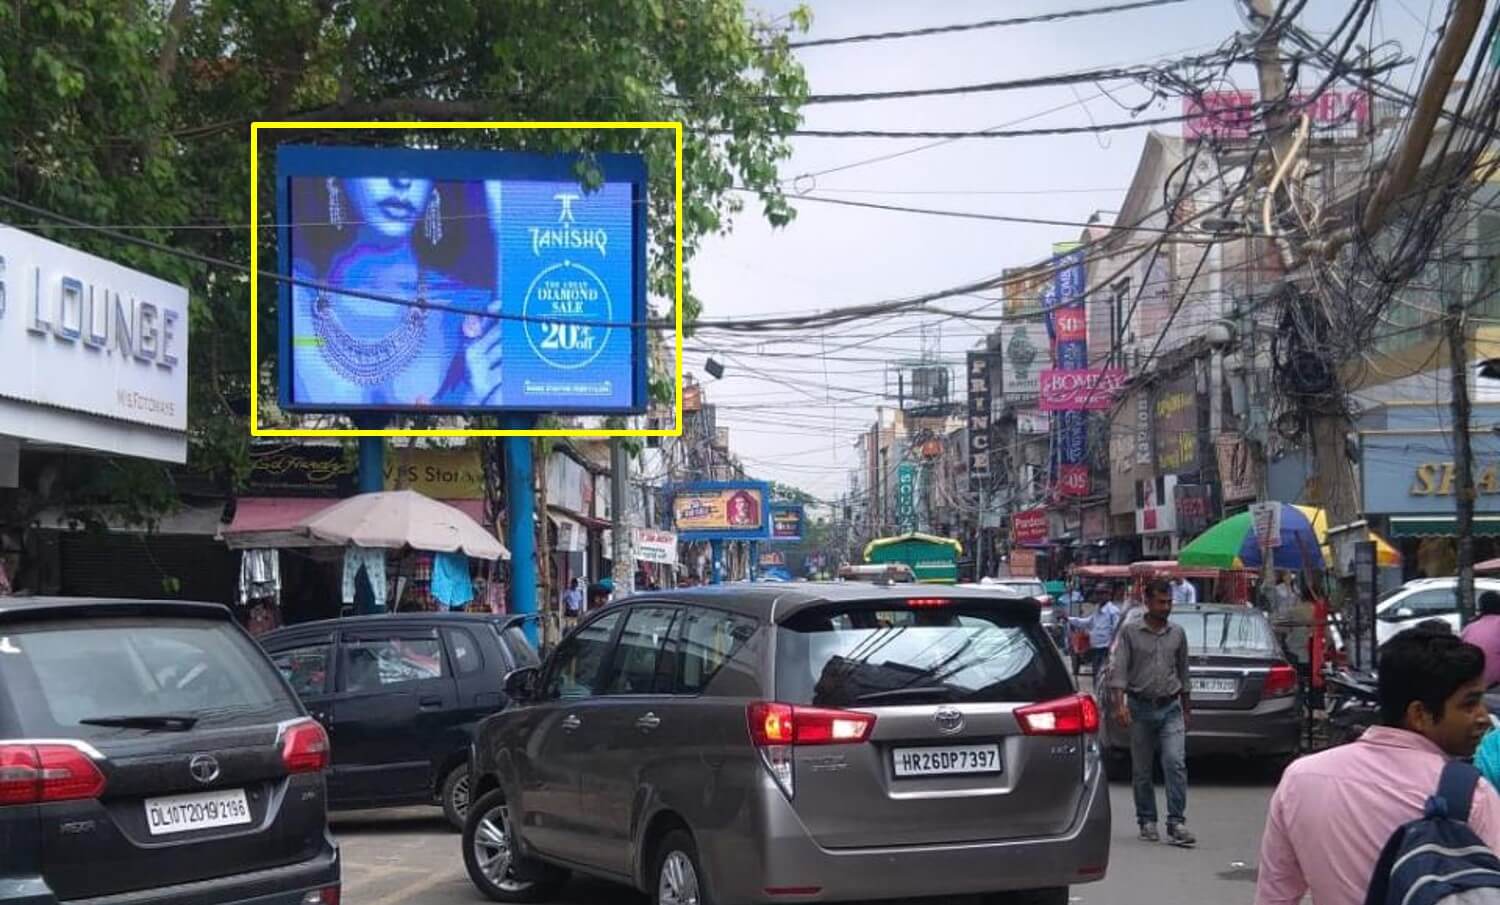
<point>1438,859</point>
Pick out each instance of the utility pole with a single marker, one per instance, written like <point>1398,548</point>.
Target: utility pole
<point>622,554</point>
<point>1463,453</point>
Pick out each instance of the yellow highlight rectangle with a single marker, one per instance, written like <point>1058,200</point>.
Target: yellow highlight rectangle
<point>257,431</point>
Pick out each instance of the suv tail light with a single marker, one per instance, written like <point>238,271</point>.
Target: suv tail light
<point>777,729</point>
<point>1280,681</point>
<point>1073,715</point>
<point>34,774</point>
<point>783,724</point>
<point>304,747</point>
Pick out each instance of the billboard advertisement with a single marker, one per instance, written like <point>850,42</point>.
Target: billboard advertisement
<point>1068,323</point>
<point>655,546</point>
<point>906,497</point>
<point>980,365</point>
<point>1021,347</point>
<point>732,510</point>
<point>460,281</point>
<point>1233,115</point>
<point>786,521</point>
<point>1091,390</point>
<point>1029,526</point>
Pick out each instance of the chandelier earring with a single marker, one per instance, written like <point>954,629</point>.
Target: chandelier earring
<point>335,204</point>
<point>432,225</point>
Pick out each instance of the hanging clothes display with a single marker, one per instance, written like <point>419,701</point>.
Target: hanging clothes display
<point>260,575</point>
<point>419,595</point>
<point>451,584</point>
<point>372,562</point>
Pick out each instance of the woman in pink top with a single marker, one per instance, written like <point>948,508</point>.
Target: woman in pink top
<point>1334,811</point>
<point>1484,633</point>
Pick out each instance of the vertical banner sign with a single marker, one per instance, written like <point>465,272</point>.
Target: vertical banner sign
<point>1068,317</point>
<point>906,497</point>
<point>979,420</point>
<point>1266,517</point>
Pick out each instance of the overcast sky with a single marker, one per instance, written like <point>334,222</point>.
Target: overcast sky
<point>800,428</point>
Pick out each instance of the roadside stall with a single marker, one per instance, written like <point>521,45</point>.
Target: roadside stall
<point>371,553</point>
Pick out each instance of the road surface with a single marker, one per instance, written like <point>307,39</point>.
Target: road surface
<point>410,857</point>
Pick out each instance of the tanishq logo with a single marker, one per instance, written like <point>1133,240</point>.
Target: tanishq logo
<point>567,236</point>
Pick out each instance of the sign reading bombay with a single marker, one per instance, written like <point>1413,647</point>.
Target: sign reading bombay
<point>1093,390</point>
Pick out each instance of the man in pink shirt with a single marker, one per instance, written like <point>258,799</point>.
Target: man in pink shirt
<point>1334,811</point>
<point>1484,633</point>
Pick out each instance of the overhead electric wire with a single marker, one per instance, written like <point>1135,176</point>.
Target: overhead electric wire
<point>982,24</point>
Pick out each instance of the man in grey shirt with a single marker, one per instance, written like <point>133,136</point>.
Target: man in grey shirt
<point>1151,695</point>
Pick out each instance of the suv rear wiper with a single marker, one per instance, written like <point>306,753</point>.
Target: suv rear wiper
<point>167,721</point>
<point>915,691</point>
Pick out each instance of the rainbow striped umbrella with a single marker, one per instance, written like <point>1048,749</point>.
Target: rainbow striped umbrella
<point>1231,544</point>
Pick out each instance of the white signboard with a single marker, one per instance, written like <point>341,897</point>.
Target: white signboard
<point>79,333</point>
<point>1266,517</point>
<point>655,546</point>
<point>1024,351</point>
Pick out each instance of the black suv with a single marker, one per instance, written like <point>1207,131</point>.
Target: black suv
<point>401,695</point>
<point>149,753</point>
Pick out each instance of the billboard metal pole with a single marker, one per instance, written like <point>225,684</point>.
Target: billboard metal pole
<point>520,527</point>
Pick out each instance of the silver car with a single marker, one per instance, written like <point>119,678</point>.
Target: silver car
<point>808,743</point>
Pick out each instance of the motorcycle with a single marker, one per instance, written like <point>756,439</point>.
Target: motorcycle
<point>1353,704</point>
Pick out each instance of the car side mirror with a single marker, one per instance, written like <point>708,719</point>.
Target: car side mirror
<point>520,685</point>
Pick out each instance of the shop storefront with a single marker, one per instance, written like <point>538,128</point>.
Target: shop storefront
<point>95,365</point>
<point>1409,481</point>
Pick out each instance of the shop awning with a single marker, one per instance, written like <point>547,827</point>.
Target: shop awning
<point>1401,526</point>
<point>268,521</point>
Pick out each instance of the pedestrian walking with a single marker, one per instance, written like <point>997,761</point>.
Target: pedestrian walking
<point>1484,633</point>
<point>1152,698</point>
<point>572,604</point>
<point>1334,811</point>
<point>1183,591</point>
<point>1100,626</point>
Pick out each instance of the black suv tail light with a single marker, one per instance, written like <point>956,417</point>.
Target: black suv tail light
<point>38,773</point>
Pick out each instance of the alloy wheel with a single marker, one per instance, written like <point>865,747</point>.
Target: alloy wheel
<point>493,851</point>
<point>678,884</point>
<point>458,797</point>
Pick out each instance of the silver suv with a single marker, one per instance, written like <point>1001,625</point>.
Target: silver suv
<point>823,742</point>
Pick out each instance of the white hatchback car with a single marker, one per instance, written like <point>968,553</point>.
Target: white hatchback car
<point>1420,600</point>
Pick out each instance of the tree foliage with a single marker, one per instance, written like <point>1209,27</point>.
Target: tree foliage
<point>136,113</point>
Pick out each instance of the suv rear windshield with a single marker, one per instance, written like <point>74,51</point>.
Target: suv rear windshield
<point>887,653</point>
<point>1218,632</point>
<point>56,675</point>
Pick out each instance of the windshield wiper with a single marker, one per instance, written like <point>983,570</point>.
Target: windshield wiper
<point>166,721</point>
<point>914,691</point>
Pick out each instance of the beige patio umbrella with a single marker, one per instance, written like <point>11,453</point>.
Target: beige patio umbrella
<point>397,519</point>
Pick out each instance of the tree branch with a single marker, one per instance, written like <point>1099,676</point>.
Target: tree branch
<point>166,64</point>
<point>357,42</point>
<point>426,108</point>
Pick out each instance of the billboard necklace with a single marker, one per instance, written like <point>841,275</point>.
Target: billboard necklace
<point>373,361</point>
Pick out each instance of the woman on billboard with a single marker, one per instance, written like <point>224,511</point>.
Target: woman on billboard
<point>410,239</point>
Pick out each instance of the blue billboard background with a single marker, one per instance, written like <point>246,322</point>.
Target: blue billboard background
<point>526,285</point>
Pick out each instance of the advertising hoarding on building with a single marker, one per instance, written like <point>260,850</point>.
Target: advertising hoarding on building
<point>84,336</point>
<point>727,510</point>
<point>906,497</point>
<point>1175,425</point>
<point>1029,527</point>
<point>527,292</point>
<point>786,521</point>
<point>1068,321</point>
<point>980,425</point>
<point>1090,390</point>
<point>1232,115</point>
<point>1023,348</point>
<point>655,546</point>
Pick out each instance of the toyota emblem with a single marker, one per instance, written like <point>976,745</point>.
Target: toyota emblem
<point>949,720</point>
<point>204,768</point>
